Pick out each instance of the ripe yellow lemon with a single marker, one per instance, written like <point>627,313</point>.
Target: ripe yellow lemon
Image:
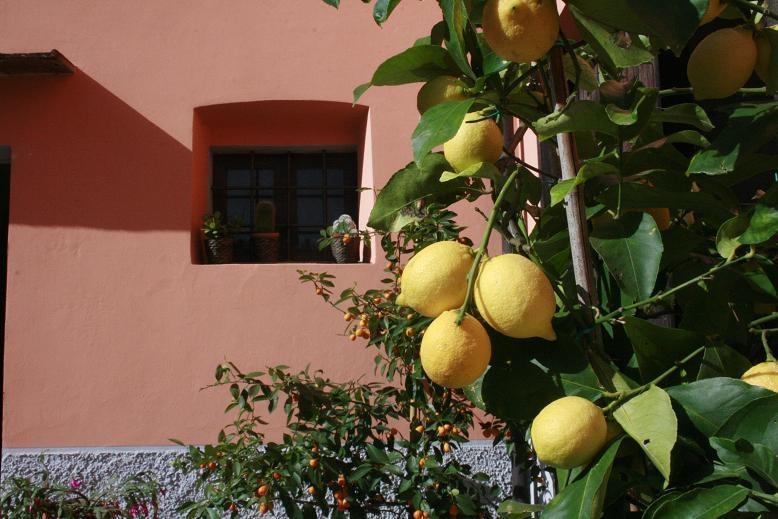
<point>439,90</point>
<point>515,297</point>
<point>569,432</point>
<point>435,279</point>
<point>764,54</point>
<point>722,63</point>
<point>455,356</point>
<point>477,140</point>
<point>520,30</point>
<point>763,375</point>
<point>715,8</point>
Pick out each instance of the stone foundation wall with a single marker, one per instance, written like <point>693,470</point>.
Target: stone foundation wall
<point>96,466</point>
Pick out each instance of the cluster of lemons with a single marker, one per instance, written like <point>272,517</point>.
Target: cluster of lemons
<point>511,293</point>
<point>724,60</point>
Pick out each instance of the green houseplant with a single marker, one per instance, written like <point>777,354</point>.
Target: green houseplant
<point>265,239</point>
<point>217,239</point>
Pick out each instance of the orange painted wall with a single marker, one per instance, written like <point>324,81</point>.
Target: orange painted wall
<point>112,329</point>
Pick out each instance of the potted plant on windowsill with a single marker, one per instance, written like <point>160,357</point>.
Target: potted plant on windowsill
<point>265,239</point>
<point>217,238</point>
<point>343,239</point>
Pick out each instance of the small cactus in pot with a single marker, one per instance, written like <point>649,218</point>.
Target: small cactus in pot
<point>265,238</point>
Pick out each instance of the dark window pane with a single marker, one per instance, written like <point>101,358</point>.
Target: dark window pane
<point>239,177</point>
<point>266,178</point>
<point>307,170</point>
<point>239,208</point>
<point>334,176</point>
<point>310,207</point>
<point>335,208</point>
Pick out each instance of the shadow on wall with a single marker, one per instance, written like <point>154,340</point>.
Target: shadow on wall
<point>84,158</point>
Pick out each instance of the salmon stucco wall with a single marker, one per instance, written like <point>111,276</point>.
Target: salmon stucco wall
<point>112,325</point>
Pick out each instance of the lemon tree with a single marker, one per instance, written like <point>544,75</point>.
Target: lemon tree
<point>620,346</point>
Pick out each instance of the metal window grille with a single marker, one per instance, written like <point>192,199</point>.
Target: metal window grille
<point>308,189</point>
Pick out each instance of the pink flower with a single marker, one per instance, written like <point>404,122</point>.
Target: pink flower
<point>134,512</point>
<point>75,484</point>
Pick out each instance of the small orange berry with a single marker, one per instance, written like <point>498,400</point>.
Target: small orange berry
<point>441,430</point>
<point>212,465</point>
<point>410,316</point>
<point>388,294</point>
<point>341,481</point>
<point>348,316</point>
<point>419,429</point>
<point>410,332</point>
<point>446,447</point>
<point>262,491</point>
<point>453,511</point>
<point>448,427</point>
<point>418,514</point>
<point>352,337</point>
<point>232,507</point>
<point>338,495</point>
<point>422,462</point>
<point>319,291</point>
<point>311,490</point>
<point>276,476</point>
<point>314,449</point>
<point>456,430</point>
<point>202,466</point>
<point>263,508</point>
<point>426,515</point>
<point>314,463</point>
<point>389,265</point>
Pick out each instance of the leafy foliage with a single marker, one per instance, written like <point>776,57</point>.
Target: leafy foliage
<point>681,207</point>
<point>40,497</point>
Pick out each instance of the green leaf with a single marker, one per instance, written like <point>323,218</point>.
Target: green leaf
<point>755,456</point>
<point>649,419</point>
<point>455,15</point>
<point>684,113</point>
<point>720,360</point>
<point>576,116</point>
<point>360,90</point>
<point>588,171</point>
<point>480,170</point>
<point>413,65</point>
<point>333,3</point>
<point>639,196</point>
<point>757,422</point>
<point>700,503</point>
<point>583,499</point>
<point>764,222</point>
<point>631,248</point>
<point>383,9</point>
<point>748,129</point>
<point>657,348</point>
<point>511,509</point>
<point>728,235</point>
<point>438,125</point>
<point>508,400</point>
<point>672,21</point>
<point>614,53</point>
<point>710,403</point>
<point>411,184</point>
<point>772,70</point>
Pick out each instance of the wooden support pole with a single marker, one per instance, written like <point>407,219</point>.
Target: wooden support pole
<point>574,203</point>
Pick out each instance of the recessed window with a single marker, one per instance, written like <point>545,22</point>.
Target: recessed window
<point>283,199</point>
